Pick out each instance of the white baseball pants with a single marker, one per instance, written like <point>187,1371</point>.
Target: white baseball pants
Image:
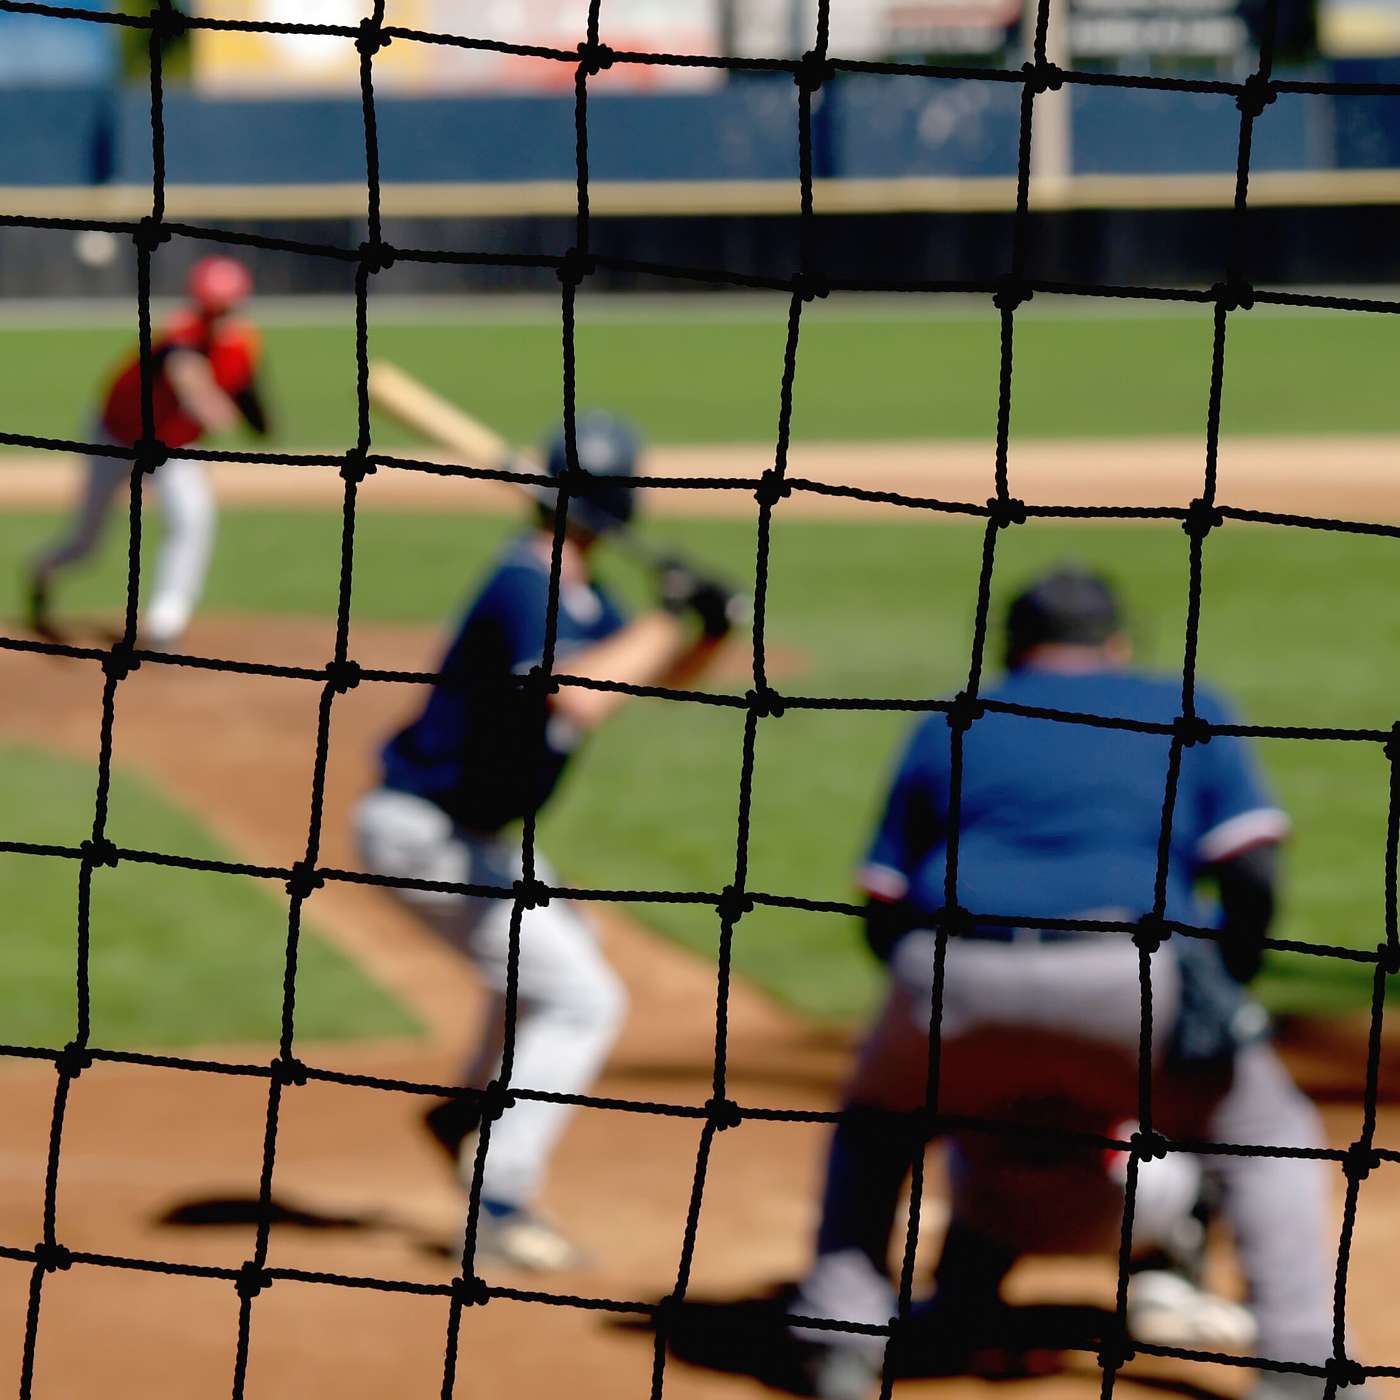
<point>188,514</point>
<point>570,1003</point>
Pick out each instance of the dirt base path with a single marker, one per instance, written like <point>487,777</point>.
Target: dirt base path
<point>1354,478</point>
<point>141,1143</point>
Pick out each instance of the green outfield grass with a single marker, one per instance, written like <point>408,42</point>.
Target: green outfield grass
<point>1300,627</point>
<point>693,376</point>
<point>177,957</point>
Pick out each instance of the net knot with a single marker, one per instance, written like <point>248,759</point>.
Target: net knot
<point>1388,956</point>
<point>376,257</point>
<point>1392,745</point>
<point>151,454</point>
<point>303,880</point>
<point>371,38</point>
<point>1201,518</point>
<point>764,703</point>
<point>1191,730</point>
<point>813,69</point>
<point>120,661</point>
<point>1115,1354</point>
<point>72,1060</point>
<point>495,1099</point>
<point>1011,292</point>
<point>574,266</point>
<point>1151,932</point>
<point>1345,1371</point>
<point>1360,1161</point>
<point>1255,95</point>
<point>167,22</point>
<point>99,852</point>
<point>953,920</point>
<point>1043,77</point>
<point>594,58</point>
<point>53,1257</point>
<point>663,1313</point>
<point>342,675</point>
<point>252,1279</point>
<point>530,894</point>
<point>287,1070</point>
<point>356,466</point>
<point>733,904</point>
<point>772,487</point>
<point>1234,295</point>
<point>724,1114</point>
<point>149,234</point>
<point>538,683</point>
<point>1148,1145</point>
<point>471,1292</point>
<point>1006,512</point>
<point>964,712</point>
<point>809,286</point>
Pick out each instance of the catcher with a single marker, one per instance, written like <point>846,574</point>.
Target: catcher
<point>484,754</point>
<point>1041,1026</point>
<point>204,367</point>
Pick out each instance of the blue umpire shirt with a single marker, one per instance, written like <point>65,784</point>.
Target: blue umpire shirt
<point>1063,820</point>
<point>483,750</point>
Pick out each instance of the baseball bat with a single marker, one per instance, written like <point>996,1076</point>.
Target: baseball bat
<point>410,402</point>
<point>415,406</point>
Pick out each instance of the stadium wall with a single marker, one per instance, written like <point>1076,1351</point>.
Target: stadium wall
<point>915,178</point>
<point>865,127</point>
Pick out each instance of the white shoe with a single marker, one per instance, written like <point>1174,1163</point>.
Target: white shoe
<point>1167,1310</point>
<point>521,1240</point>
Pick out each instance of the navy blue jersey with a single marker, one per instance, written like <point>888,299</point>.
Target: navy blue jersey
<point>1063,820</point>
<point>482,750</point>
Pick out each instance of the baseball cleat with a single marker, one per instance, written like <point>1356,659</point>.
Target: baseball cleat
<point>1290,1385</point>
<point>1165,1309</point>
<point>515,1237</point>
<point>835,1370</point>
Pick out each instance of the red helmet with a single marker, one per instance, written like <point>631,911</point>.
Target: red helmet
<point>219,284</point>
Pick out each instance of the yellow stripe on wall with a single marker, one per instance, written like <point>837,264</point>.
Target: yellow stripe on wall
<point>693,197</point>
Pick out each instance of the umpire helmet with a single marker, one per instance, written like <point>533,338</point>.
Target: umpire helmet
<point>1069,604</point>
<point>608,450</point>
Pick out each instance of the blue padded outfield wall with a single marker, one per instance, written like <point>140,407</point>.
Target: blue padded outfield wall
<point>93,132</point>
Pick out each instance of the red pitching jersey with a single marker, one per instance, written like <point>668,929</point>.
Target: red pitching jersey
<point>232,348</point>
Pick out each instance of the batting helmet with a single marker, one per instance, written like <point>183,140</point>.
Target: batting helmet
<point>608,449</point>
<point>219,283</point>
<point>1069,605</point>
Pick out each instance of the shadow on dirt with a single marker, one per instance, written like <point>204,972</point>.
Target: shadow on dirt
<point>244,1210</point>
<point>749,1337</point>
<point>214,1212</point>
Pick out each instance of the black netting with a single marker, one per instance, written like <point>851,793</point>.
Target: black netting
<point>1232,294</point>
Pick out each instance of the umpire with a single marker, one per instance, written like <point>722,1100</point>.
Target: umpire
<point>487,752</point>
<point>1061,822</point>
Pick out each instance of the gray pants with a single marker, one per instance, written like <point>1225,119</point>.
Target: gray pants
<point>1048,1033</point>
<point>570,1003</point>
<point>187,541</point>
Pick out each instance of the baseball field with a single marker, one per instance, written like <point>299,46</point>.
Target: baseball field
<point>1299,626</point>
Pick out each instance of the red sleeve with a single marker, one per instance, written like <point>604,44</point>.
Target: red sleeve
<point>234,357</point>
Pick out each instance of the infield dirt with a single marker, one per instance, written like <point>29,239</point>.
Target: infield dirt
<point>1346,477</point>
<point>368,1197</point>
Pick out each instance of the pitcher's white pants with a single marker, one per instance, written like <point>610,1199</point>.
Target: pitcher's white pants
<point>187,540</point>
<point>570,1004</point>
